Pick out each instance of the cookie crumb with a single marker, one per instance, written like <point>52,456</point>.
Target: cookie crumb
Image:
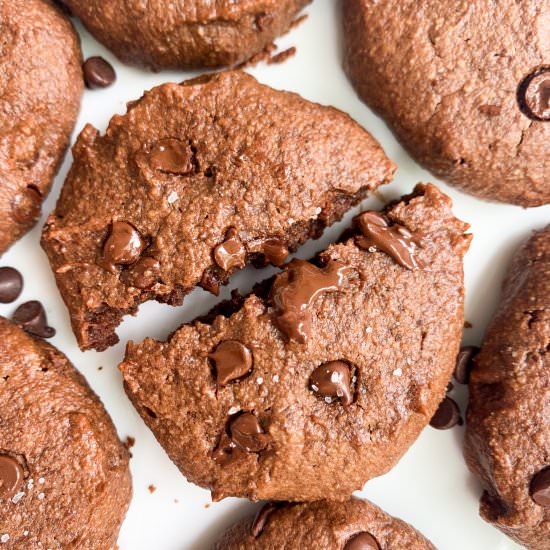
<point>152,488</point>
<point>99,368</point>
<point>298,21</point>
<point>281,57</point>
<point>467,324</point>
<point>129,442</point>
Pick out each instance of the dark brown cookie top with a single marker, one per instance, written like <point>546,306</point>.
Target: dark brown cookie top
<point>195,181</point>
<point>186,33</point>
<point>41,84</point>
<point>332,380</point>
<point>508,433</point>
<point>64,477</point>
<point>463,84</point>
<point>350,525</point>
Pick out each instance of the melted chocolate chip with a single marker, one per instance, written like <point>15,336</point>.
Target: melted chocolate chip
<point>446,416</point>
<point>144,273</point>
<point>362,541</point>
<point>464,363</point>
<point>31,317</point>
<point>233,360</point>
<point>534,95</point>
<point>123,245</point>
<point>231,253</point>
<point>262,516</point>
<point>540,488</point>
<point>226,452</point>
<point>332,380</point>
<point>274,250</point>
<point>172,156</point>
<point>248,434</point>
<point>11,284</point>
<point>295,290</point>
<point>25,207</point>
<point>395,240</point>
<point>98,73</point>
<point>11,476</point>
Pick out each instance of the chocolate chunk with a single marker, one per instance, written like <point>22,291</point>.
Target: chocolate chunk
<point>98,73</point>
<point>446,416</point>
<point>144,273</point>
<point>274,250</point>
<point>123,246</point>
<point>233,360</point>
<point>172,156</point>
<point>11,476</point>
<point>11,284</point>
<point>226,452</point>
<point>248,434</point>
<point>231,253</point>
<point>534,95</point>
<point>31,317</point>
<point>464,363</point>
<point>395,240</point>
<point>262,516</point>
<point>25,207</point>
<point>362,541</point>
<point>333,381</point>
<point>540,488</point>
<point>296,289</point>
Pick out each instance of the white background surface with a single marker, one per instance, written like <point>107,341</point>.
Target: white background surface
<point>431,487</point>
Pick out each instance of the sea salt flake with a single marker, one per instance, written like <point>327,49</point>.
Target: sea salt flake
<point>172,197</point>
<point>17,497</point>
<point>328,399</point>
<point>41,481</point>
<point>41,496</point>
<point>397,372</point>
<point>4,538</point>
<point>233,410</point>
<point>314,387</point>
<point>368,330</point>
<point>259,380</point>
<point>276,378</point>
<point>335,377</point>
<point>25,533</point>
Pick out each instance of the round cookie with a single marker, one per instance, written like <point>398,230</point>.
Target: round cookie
<point>507,442</point>
<point>186,34</point>
<point>322,377</point>
<point>64,476</point>
<point>351,525</point>
<point>454,81</point>
<point>40,88</point>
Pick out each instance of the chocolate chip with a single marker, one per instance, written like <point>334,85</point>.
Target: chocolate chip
<point>25,207</point>
<point>172,156</point>
<point>362,541</point>
<point>226,451</point>
<point>31,317</point>
<point>98,73</point>
<point>540,488</point>
<point>11,284</point>
<point>123,246</point>
<point>464,363</point>
<point>233,360</point>
<point>273,250</point>
<point>332,381</point>
<point>446,416</point>
<point>144,273</point>
<point>534,95</point>
<point>248,434</point>
<point>11,476</point>
<point>262,516</point>
<point>231,253</point>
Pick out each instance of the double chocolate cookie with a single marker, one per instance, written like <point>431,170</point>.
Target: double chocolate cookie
<point>322,377</point>
<point>186,33</point>
<point>351,525</point>
<point>197,180</point>
<point>508,421</point>
<point>465,86</point>
<point>64,477</point>
<point>40,88</point>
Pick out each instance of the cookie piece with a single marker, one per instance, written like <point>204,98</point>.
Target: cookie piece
<point>40,88</point>
<point>196,180</point>
<point>453,81</point>
<point>351,525</point>
<point>507,441</point>
<point>186,34</point>
<point>64,476</point>
<point>349,358</point>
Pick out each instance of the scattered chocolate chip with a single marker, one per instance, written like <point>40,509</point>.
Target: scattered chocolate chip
<point>11,476</point>
<point>233,360</point>
<point>450,387</point>
<point>172,156</point>
<point>274,250</point>
<point>231,253</point>
<point>295,290</point>
<point>248,434</point>
<point>11,284</point>
<point>332,381</point>
<point>395,240</point>
<point>467,324</point>
<point>123,245</point>
<point>25,207</point>
<point>446,416</point>
<point>31,317</point>
<point>464,363</point>
<point>540,488</point>
<point>262,516</point>
<point>362,541</point>
<point>226,451</point>
<point>98,73</point>
<point>534,95</point>
<point>144,273</point>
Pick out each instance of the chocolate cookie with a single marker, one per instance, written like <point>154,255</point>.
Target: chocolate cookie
<point>323,377</point>
<point>196,180</point>
<point>351,525</point>
<point>465,86</point>
<point>40,88</point>
<point>64,477</point>
<point>186,34</point>
<point>507,440</point>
